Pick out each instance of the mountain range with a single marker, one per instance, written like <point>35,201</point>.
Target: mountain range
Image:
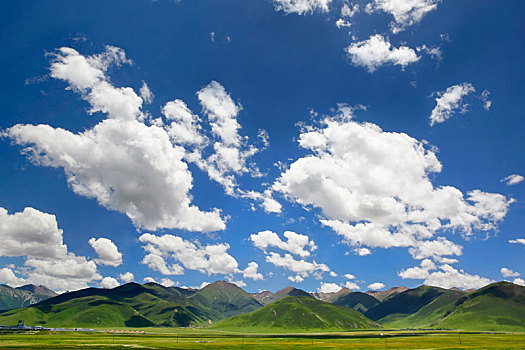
<point>12,298</point>
<point>499,306</point>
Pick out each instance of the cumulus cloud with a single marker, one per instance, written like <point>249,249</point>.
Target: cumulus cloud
<point>296,279</point>
<point>35,235</point>
<point>444,276</point>
<point>377,51</point>
<point>127,277</point>
<point>519,281</point>
<point>301,267</point>
<point>329,288</point>
<point>405,12</point>
<point>166,282</point>
<point>210,259</point>
<point>109,283</point>
<point>121,162</point>
<point>349,276</point>
<point>295,243</point>
<point>7,276</point>
<point>251,272</point>
<point>30,233</point>
<point>351,285</point>
<point>505,272</point>
<point>301,7</point>
<point>107,252</point>
<point>376,286</point>
<point>363,251</point>
<point>513,179</point>
<point>149,280</point>
<point>374,189</point>
<point>518,241</point>
<point>450,101</point>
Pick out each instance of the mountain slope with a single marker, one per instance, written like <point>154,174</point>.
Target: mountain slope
<point>361,302</point>
<point>330,297</point>
<point>387,294</point>
<point>407,302</point>
<point>299,314</point>
<point>499,306</point>
<point>129,305</point>
<point>12,298</point>
<point>222,299</point>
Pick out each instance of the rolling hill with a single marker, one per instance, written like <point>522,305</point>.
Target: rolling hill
<point>298,314</point>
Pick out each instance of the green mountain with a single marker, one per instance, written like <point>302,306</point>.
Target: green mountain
<point>496,307</point>
<point>302,313</point>
<point>267,297</point>
<point>361,302</point>
<point>222,299</point>
<point>135,305</point>
<point>12,298</point>
<point>407,303</point>
<point>330,297</point>
<point>386,294</point>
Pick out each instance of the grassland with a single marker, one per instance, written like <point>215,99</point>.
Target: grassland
<point>163,338</point>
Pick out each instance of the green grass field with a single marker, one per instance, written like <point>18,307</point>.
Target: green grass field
<point>164,338</point>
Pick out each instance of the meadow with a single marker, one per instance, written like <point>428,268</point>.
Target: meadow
<point>164,338</point>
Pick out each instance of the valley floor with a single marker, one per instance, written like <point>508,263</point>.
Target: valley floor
<point>204,339</point>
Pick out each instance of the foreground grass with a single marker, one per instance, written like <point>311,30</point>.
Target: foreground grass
<point>207,339</point>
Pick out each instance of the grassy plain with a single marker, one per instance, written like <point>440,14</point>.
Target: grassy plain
<point>164,338</point>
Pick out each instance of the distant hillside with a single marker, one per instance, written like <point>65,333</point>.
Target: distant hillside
<point>387,294</point>
<point>499,306</point>
<point>407,302</point>
<point>225,299</point>
<point>136,305</point>
<point>302,313</point>
<point>361,302</point>
<point>267,297</point>
<point>12,298</point>
<point>330,297</point>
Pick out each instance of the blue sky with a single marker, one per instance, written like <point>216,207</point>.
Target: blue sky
<point>313,143</point>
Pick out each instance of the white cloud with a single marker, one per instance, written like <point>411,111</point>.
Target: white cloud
<point>519,281</point>
<point>349,276</point>
<point>377,51</point>
<point>513,179</point>
<point>183,126</point>
<point>329,288</point>
<point>300,267</point>
<point>36,236</point>
<point>295,243</point>
<point>333,274</point>
<point>107,252</point>
<point>450,101</point>
<point>405,12</point>
<point>127,277</point>
<point>518,241</point>
<point>251,272</point>
<point>435,248</point>
<point>341,23</point>
<point>301,7</point>
<point>376,286</point>
<point>32,233</point>
<point>166,282</point>
<point>349,10</point>
<point>238,283</point>
<point>446,277</point>
<point>296,279</point>
<point>505,272</point>
<point>149,280</point>
<point>363,251</point>
<point>146,94</point>
<point>7,276</point>
<point>210,259</point>
<point>352,285</point>
<point>70,272</point>
<point>124,164</point>
<point>109,283</point>
<point>353,172</point>
<point>485,98</point>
